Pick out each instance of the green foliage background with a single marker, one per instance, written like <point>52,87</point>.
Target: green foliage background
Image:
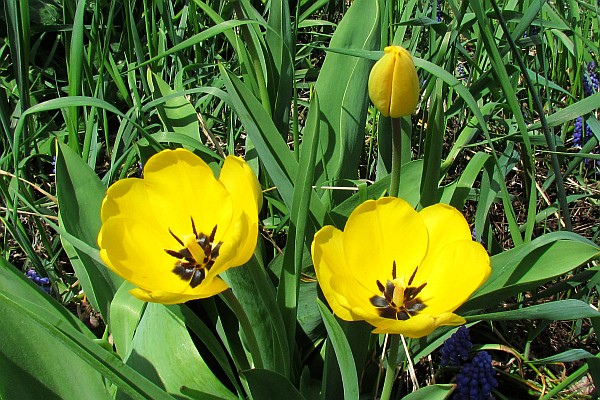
<point>90,90</point>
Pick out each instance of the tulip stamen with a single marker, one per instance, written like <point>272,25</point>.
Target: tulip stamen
<point>398,300</point>
<point>196,247</point>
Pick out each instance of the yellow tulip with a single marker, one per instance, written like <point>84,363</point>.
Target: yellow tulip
<point>400,270</point>
<point>394,84</point>
<point>172,232</point>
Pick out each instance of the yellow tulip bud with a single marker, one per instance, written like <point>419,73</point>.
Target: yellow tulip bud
<point>394,84</point>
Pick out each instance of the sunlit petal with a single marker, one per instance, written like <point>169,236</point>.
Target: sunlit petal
<point>326,245</point>
<point>242,185</point>
<point>456,272</point>
<point>159,296</point>
<point>379,232</point>
<point>181,185</point>
<point>419,326</point>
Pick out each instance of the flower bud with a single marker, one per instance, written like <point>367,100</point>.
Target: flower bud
<point>394,84</point>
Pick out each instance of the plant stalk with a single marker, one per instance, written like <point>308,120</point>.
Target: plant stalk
<point>390,372</point>
<point>396,157</point>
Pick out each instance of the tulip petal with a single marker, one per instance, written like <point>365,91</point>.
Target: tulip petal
<point>326,248</point>
<point>380,83</point>
<point>405,84</point>
<point>437,266</point>
<point>159,296</point>
<point>135,250</point>
<point>394,83</point>
<point>379,232</point>
<point>445,224</point>
<point>418,326</point>
<point>241,183</point>
<point>127,197</point>
<point>181,186</point>
<point>455,273</point>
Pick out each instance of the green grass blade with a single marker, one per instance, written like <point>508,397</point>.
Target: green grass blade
<point>300,229</point>
<point>561,310</point>
<point>272,150</point>
<point>75,68</point>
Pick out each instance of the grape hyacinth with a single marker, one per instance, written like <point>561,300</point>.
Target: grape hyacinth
<point>456,348</point>
<point>590,85</point>
<point>460,71</point>
<point>588,88</point>
<point>42,282</point>
<point>577,133</point>
<point>438,15</point>
<point>476,380</point>
<point>593,76</point>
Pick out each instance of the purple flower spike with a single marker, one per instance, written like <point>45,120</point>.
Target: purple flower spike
<point>456,348</point>
<point>476,380</point>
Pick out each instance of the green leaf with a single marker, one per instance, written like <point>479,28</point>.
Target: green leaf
<point>309,317</point>
<point>223,27</point>
<point>75,70</point>
<point>37,331</point>
<point>466,136</point>
<point>280,63</point>
<point>562,310</point>
<point>410,177</point>
<point>343,352</point>
<point>33,350</point>
<point>529,265</point>
<point>176,112</point>
<point>16,286</point>
<point>265,385</point>
<point>342,87</point>
<point>80,194</point>
<point>125,314</point>
<point>568,114</point>
<point>457,192</point>
<point>565,356</point>
<point>206,335</point>
<point>431,392</point>
<point>254,291</point>
<point>163,351</point>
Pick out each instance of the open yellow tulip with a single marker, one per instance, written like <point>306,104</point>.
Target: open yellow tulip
<point>400,270</point>
<point>172,232</point>
<point>394,84</point>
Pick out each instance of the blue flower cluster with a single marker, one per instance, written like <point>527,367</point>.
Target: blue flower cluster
<point>578,137</point>
<point>438,16</point>
<point>592,80</point>
<point>461,72</point>
<point>475,380</point>
<point>43,283</point>
<point>456,348</point>
<point>581,130</point>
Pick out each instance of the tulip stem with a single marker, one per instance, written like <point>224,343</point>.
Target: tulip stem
<point>390,372</point>
<point>396,157</point>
